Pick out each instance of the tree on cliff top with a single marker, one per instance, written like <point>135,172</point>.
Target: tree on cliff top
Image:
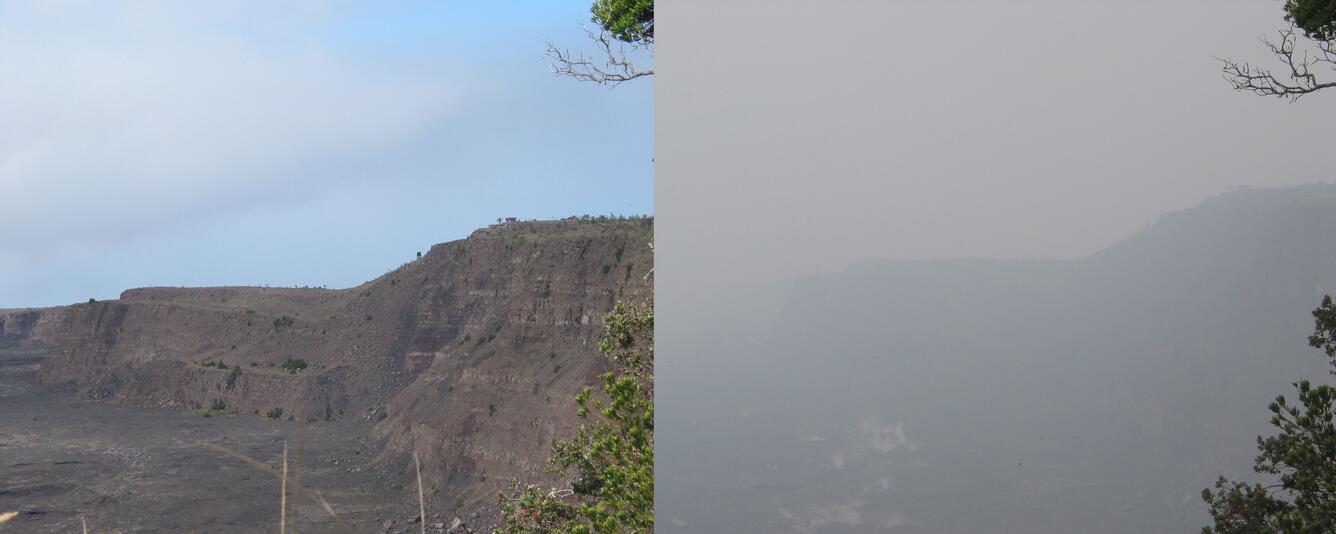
<point>1302,456</point>
<point>1301,65</point>
<point>1317,18</point>
<point>629,21</point>
<point>609,463</point>
<point>625,28</point>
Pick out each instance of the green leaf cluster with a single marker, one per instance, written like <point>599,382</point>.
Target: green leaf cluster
<point>1317,18</point>
<point>630,21</point>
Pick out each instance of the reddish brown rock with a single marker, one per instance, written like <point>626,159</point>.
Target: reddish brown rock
<point>469,355</point>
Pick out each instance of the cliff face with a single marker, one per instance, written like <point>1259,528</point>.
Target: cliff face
<point>469,355</point>
<point>28,326</point>
<point>499,360</point>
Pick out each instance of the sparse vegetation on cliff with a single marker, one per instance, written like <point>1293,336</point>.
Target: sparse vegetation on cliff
<point>609,463</point>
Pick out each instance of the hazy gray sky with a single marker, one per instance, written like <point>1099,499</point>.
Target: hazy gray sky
<point>313,142</point>
<point>834,131</point>
<point>795,136</point>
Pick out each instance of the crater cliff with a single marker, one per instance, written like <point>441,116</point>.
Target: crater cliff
<point>469,355</point>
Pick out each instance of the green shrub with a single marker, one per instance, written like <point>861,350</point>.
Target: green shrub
<point>218,405</point>
<point>292,365</point>
<point>283,322</point>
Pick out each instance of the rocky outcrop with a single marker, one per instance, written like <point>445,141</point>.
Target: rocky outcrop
<point>469,355</point>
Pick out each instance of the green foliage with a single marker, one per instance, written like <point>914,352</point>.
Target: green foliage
<point>218,405</point>
<point>1302,456</point>
<point>1317,18</point>
<point>628,338</point>
<point>274,413</point>
<point>1325,335</point>
<point>610,460</point>
<point>630,21</point>
<point>292,365</point>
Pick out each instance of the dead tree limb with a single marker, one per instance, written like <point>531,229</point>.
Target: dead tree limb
<point>1297,77</point>
<point>613,69</point>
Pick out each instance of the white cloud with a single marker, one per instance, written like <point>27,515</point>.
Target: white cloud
<point>119,120</point>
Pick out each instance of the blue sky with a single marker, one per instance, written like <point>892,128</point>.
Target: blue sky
<point>317,143</point>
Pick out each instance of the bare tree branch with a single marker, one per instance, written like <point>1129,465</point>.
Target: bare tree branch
<point>1298,81</point>
<point>613,70</point>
